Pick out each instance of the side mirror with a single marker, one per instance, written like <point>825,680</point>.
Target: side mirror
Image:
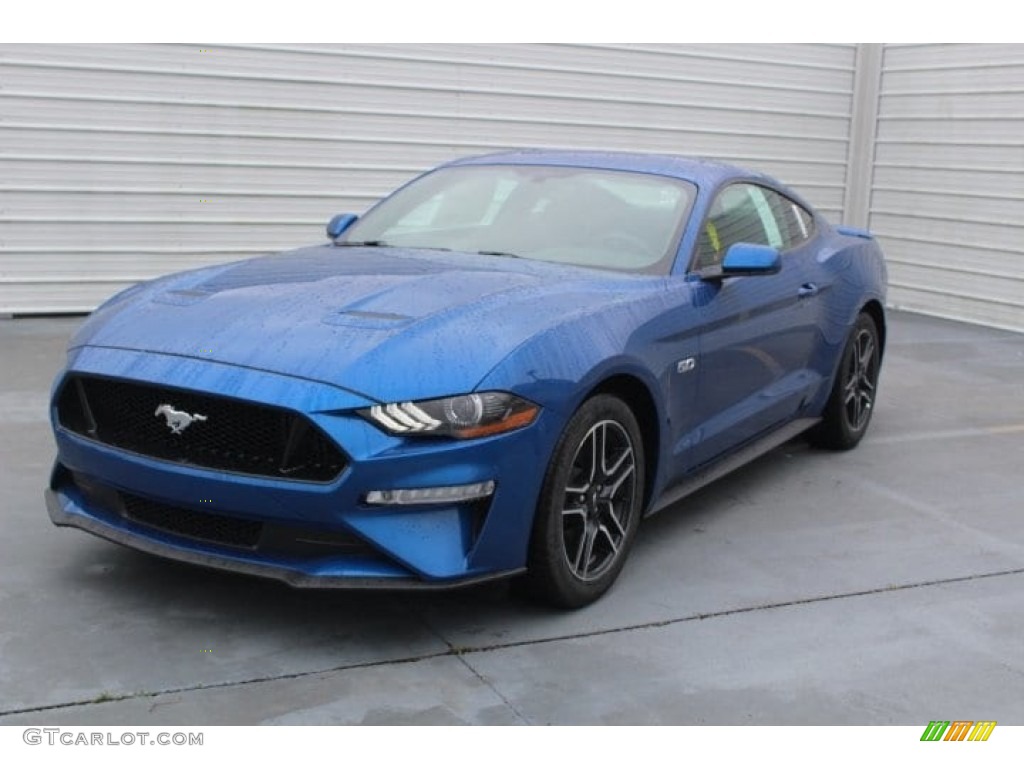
<point>337,226</point>
<point>745,259</point>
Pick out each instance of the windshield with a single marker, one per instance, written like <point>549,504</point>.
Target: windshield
<point>607,219</point>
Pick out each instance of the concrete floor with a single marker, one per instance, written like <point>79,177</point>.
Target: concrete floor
<point>881,586</point>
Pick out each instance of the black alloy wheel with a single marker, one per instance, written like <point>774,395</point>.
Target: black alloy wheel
<point>852,401</point>
<point>590,505</point>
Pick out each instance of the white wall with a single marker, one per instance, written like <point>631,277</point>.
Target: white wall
<point>119,163</point>
<point>947,196</point>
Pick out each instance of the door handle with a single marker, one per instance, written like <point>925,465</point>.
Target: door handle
<point>807,290</point>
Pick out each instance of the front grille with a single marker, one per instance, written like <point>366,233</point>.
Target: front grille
<point>219,529</point>
<point>234,436</point>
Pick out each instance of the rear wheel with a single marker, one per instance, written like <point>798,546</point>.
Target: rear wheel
<point>852,401</point>
<point>590,505</point>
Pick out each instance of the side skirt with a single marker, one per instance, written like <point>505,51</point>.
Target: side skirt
<point>724,466</point>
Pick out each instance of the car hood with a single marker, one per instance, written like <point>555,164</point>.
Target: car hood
<point>389,324</point>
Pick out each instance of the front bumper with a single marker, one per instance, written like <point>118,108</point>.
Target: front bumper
<point>65,512</point>
<point>432,546</point>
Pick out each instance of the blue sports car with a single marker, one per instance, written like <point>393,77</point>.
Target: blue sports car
<point>496,371</point>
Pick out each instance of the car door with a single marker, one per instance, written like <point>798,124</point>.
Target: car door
<point>757,332</point>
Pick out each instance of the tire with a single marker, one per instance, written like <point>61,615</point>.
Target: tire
<point>590,506</point>
<point>852,401</point>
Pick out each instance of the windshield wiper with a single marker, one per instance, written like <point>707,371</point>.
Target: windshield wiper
<point>385,244</point>
<point>500,253</point>
<point>363,244</point>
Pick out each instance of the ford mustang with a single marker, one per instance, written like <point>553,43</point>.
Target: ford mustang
<point>497,371</point>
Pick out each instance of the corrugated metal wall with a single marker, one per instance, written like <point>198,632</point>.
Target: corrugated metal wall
<point>948,189</point>
<point>119,163</point>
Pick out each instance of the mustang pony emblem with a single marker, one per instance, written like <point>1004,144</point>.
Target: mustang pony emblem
<point>178,421</point>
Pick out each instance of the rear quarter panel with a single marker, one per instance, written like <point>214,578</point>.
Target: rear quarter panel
<point>854,269</point>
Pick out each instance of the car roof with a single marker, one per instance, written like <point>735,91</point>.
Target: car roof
<point>701,171</point>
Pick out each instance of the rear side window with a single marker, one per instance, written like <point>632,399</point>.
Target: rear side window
<point>795,223</point>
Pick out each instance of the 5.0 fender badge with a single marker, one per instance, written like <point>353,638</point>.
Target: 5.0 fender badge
<point>178,421</point>
<point>687,365</point>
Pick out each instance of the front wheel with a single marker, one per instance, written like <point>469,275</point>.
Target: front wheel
<point>590,505</point>
<point>852,401</point>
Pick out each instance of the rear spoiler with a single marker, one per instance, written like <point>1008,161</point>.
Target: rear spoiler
<point>855,232</point>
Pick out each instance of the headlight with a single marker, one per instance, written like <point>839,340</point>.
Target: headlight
<point>464,416</point>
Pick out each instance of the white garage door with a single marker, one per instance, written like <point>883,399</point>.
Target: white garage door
<point>948,198</point>
<point>120,163</point>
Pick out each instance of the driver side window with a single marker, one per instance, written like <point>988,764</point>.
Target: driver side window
<point>740,214</point>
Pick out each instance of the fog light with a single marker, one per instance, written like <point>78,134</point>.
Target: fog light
<point>443,494</point>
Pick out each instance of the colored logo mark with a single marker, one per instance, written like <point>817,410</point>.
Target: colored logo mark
<point>958,730</point>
